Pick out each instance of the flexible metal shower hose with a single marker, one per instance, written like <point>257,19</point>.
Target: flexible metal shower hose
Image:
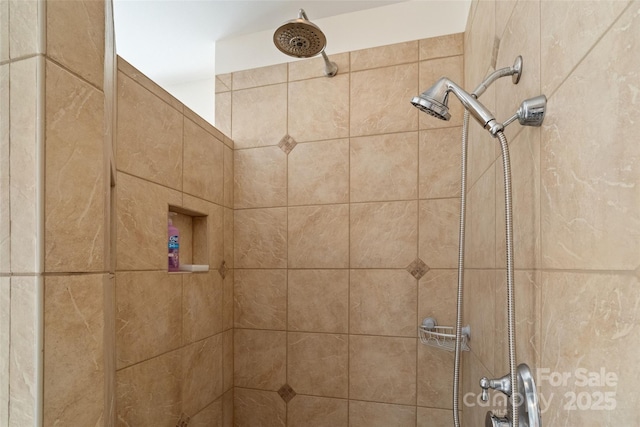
<point>511,312</point>
<point>511,331</point>
<point>461,240</point>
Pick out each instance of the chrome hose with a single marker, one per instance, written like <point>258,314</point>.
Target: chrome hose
<point>511,315</point>
<point>461,240</point>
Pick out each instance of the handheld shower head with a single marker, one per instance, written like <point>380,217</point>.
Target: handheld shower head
<point>301,38</point>
<point>435,101</point>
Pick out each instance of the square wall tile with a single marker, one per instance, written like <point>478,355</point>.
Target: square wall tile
<point>439,229</point>
<point>74,181</point>
<point>384,167</point>
<point>148,394</point>
<point>260,178</point>
<point>227,360</point>
<point>223,83</point>
<point>318,236</point>
<point>480,246</point>
<point>479,306</point>
<point>223,112</point>
<point>228,178</point>
<point>260,359</point>
<point>318,173</point>
<point>261,76</point>
<point>259,116</point>
<point>479,39</point>
<point>442,46</point>
<point>525,199</point>
<point>257,408</point>
<point>141,215</point>
<point>527,297</point>
<point>521,37</point>
<point>260,299</point>
<point>370,414</point>
<point>598,314</point>
<point>4,32</point>
<point>23,370</point>
<point>201,306</point>
<point>209,416</point>
<point>227,230</point>
<point>430,417</point>
<point>149,135</point>
<point>227,408</point>
<point>380,100</point>
<point>437,294</point>
<point>384,56</point>
<point>430,72</point>
<point>148,315</point>
<point>318,300</point>
<point>312,411</point>
<point>382,369</point>
<point>25,150</point>
<point>73,342</point>
<point>227,300</point>
<point>435,367</point>
<point>5,340</point>
<point>260,237</point>
<point>383,302</point>
<point>203,164</point>
<point>318,363</point>
<point>5,194</point>
<point>383,235</point>
<point>590,180</point>
<point>24,37</point>
<point>75,37</point>
<point>560,21</point>
<point>325,114</point>
<point>439,157</point>
<point>472,413</point>
<point>201,374</point>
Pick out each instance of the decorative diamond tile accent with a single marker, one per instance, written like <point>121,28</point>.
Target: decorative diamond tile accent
<point>286,393</point>
<point>223,270</point>
<point>287,144</point>
<point>418,268</point>
<point>183,421</point>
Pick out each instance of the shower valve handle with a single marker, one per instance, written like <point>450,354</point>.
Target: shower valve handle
<point>501,384</point>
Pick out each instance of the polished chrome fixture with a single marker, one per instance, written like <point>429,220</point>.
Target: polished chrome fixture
<point>301,38</point>
<point>526,398</point>
<point>434,101</point>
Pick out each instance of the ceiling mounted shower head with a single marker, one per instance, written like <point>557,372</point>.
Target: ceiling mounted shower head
<point>301,38</point>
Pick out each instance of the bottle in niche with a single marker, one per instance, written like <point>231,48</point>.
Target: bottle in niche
<point>173,245</point>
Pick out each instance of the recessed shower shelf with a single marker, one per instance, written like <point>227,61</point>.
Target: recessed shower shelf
<point>443,337</point>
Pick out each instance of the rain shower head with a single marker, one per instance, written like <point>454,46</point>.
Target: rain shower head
<point>435,101</point>
<point>301,38</point>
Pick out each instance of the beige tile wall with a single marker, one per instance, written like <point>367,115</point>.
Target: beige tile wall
<point>174,336</point>
<point>338,189</point>
<point>575,203</point>
<point>52,213</point>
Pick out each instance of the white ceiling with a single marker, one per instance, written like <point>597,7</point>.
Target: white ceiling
<point>173,41</point>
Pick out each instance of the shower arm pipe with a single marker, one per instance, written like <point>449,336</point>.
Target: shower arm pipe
<point>330,68</point>
<point>515,72</point>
